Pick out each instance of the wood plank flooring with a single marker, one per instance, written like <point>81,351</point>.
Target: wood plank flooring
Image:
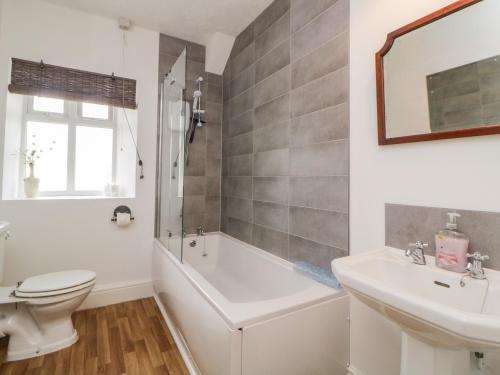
<point>128,338</point>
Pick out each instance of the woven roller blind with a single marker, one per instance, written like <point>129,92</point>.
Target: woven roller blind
<point>39,79</point>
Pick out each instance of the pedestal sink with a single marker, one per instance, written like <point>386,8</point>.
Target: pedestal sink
<point>442,321</point>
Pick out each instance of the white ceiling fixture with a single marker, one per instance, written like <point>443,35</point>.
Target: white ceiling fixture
<point>193,20</point>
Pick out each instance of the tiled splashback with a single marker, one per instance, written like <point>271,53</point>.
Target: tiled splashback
<point>405,224</point>
<point>203,174</point>
<point>285,132</point>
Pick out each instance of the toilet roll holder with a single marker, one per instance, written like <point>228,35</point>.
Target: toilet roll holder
<point>121,210</point>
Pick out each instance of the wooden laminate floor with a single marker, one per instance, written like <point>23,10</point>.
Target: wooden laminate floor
<point>127,338</point>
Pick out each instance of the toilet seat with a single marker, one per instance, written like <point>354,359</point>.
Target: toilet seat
<point>54,284</point>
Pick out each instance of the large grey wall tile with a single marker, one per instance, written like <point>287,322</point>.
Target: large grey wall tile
<point>328,228</point>
<point>195,167</point>
<point>270,15</point>
<point>322,159</point>
<point>213,167</point>
<point>272,87</point>
<point>270,240</point>
<point>271,137</point>
<point>271,215</point>
<point>213,112</point>
<point>195,52</point>
<point>325,92</point>
<point>211,219</point>
<point>237,208</point>
<point>241,124</point>
<point>242,144</point>
<point>194,204</point>
<point>271,189</point>
<point>329,24</point>
<point>326,193</point>
<point>273,36</point>
<point>313,252</point>
<point>242,40</point>
<point>237,228</point>
<point>214,79</point>
<point>243,60</point>
<point>237,187</point>
<point>326,59</point>
<point>243,81</point>
<point>241,165</point>
<point>214,93</point>
<point>194,69</point>
<point>214,140</point>
<point>271,163</point>
<point>171,46</point>
<point>276,111</point>
<point>303,11</point>
<point>242,103</point>
<point>320,126</point>
<point>194,185</point>
<point>212,188</point>
<point>275,60</point>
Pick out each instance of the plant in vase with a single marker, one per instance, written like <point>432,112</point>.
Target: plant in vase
<point>31,156</point>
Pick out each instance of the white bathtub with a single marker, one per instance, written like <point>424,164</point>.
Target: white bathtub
<point>241,311</point>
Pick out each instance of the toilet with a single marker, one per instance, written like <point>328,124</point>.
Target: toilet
<point>36,313</point>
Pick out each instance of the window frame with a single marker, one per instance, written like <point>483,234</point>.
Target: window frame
<point>72,118</point>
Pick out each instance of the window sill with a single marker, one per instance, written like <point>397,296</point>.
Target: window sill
<point>69,197</point>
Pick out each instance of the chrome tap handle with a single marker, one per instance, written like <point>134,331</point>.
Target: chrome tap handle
<point>477,256</point>
<point>475,267</point>
<point>417,254</point>
<point>419,245</point>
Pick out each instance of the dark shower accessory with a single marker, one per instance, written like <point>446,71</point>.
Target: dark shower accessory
<point>121,210</point>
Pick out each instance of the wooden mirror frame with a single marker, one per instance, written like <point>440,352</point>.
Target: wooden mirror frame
<point>379,59</point>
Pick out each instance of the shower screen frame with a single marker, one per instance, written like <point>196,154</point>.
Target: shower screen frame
<point>167,174</point>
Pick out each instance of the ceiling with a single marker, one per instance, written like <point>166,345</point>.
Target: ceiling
<point>194,20</point>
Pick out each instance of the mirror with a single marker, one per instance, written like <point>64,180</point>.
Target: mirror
<point>439,77</point>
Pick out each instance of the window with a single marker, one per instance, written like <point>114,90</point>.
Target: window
<point>75,144</point>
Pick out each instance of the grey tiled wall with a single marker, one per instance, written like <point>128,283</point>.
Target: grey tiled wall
<point>203,174</point>
<point>405,224</point>
<point>285,132</point>
<point>466,96</point>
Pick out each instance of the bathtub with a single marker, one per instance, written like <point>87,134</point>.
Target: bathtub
<point>234,309</point>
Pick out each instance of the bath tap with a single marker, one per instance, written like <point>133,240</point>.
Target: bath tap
<point>200,231</point>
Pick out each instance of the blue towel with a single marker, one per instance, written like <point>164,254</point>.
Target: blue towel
<point>319,274</point>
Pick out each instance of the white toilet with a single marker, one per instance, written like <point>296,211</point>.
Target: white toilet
<point>36,313</point>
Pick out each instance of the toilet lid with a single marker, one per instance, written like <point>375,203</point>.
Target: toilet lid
<point>55,281</point>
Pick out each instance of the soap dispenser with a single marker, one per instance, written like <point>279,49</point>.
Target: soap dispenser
<point>451,246</point>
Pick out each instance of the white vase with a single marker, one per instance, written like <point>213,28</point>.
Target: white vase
<point>31,183</point>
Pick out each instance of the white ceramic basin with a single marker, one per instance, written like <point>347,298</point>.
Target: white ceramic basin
<point>425,301</point>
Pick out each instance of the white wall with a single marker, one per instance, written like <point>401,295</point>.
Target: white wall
<point>461,173</point>
<point>51,235</point>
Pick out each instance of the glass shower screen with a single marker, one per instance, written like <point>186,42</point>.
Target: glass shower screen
<point>173,124</point>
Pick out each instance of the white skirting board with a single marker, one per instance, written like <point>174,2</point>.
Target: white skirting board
<point>181,345</point>
<point>110,294</point>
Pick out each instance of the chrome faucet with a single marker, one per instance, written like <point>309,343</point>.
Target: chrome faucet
<point>475,268</point>
<point>417,254</point>
<point>200,231</point>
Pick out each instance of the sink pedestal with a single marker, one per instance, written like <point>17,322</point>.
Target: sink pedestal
<point>419,358</point>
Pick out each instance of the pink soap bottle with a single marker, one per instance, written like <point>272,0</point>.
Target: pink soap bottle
<point>451,246</point>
